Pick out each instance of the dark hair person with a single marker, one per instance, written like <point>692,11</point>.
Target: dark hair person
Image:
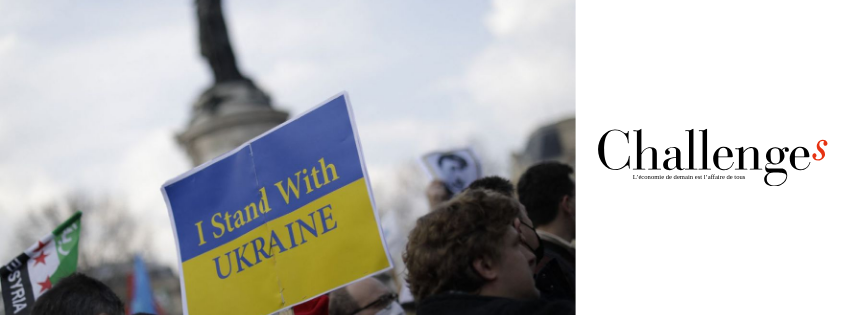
<point>549,195</point>
<point>495,183</point>
<point>78,294</point>
<point>553,282</point>
<point>545,189</point>
<point>365,297</point>
<point>467,257</point>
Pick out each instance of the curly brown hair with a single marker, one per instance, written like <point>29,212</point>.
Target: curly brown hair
<point>443,245</point>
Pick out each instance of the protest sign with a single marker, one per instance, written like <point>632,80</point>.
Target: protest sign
<point>36,270</point>
<point>455,168</point>
<point>279,220</point>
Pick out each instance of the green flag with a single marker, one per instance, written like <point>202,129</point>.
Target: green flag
<point>33,272</point>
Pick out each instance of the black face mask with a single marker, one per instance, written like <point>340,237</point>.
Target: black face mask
<point>539,252</point>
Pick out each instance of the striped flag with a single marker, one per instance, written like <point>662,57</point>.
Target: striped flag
<point>33,272</point>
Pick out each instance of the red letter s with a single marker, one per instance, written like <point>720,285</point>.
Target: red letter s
<point>818,146</point>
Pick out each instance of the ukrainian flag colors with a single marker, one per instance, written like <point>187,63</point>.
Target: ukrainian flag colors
<point>282,219</point>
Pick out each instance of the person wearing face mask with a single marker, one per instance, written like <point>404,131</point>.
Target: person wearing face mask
<point>468,256</point>
<point>366,297</point>
<point>550,279</point>
<point>549,194</point>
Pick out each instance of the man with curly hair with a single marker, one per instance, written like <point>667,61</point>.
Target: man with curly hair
<point>468,257</point>
<point>553,282</point>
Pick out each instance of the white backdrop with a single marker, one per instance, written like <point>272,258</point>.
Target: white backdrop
<point>754,73</point>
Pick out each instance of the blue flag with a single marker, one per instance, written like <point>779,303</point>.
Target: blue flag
<point>142,296</point>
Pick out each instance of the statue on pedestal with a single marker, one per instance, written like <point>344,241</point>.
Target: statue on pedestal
<point>233,110</point>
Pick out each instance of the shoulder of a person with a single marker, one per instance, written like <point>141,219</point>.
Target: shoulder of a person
<point>533,307</point>
<point>560,253</point>
<point>474,304</point>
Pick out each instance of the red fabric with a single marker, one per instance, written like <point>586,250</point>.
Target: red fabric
<point>317,306</point>
<point>130,293</point>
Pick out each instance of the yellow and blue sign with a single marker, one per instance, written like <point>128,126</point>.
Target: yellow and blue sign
<point>283,218</point>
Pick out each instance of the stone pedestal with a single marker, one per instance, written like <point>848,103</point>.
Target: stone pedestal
<point>226,116</point>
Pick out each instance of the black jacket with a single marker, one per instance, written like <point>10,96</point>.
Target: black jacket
<point>555,276</point>
<point>553,282</point>
<point>461,303</point>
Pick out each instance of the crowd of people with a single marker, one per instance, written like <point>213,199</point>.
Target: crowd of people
<point>490,249</point>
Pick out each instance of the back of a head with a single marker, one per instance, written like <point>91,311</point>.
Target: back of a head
<point>78,294</point>
<point>444,243</point>
<point>495,183</point>
<point>351,298</point>
<point>542,187</point>
<point>341,302</point>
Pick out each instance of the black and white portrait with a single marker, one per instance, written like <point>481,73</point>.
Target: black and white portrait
<point>456,169</point>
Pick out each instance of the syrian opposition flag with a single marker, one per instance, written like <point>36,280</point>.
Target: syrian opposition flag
<point>33,272</point>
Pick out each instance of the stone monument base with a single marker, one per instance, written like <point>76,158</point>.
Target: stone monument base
<point>225,116</point>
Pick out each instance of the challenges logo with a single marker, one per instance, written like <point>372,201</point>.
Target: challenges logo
<point>774,156</point>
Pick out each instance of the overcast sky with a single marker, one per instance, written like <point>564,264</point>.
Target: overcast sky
<point>93,92</point>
